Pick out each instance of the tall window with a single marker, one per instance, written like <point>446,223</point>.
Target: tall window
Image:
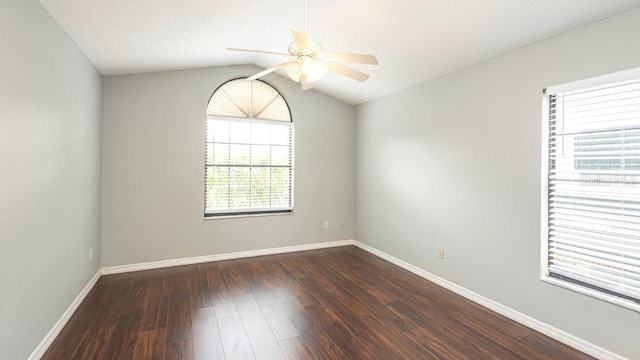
<point>591,204</point>
<point>249,151</point>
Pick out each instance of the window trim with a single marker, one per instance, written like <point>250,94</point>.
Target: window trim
<point>247,215</point>
<point>243,213</point>
<point>544,198</point>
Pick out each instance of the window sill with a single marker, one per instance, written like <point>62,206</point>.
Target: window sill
<point>629,304</point>
<point>238,216</point>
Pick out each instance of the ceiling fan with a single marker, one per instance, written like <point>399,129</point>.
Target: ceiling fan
<point>310,62</point>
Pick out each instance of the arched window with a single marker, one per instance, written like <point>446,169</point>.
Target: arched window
<point>249,150</point>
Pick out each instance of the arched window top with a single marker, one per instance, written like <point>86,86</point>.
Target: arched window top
<point>254,99</point>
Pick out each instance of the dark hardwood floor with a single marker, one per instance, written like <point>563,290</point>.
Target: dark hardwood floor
<point>339,303</point>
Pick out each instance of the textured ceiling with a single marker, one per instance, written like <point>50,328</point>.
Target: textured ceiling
<point>414,40</point>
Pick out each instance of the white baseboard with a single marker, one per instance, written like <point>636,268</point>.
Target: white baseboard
<point>555,333</point>
<point>219,257</point>
<point>53,333</point>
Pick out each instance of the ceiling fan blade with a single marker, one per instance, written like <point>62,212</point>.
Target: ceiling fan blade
<point>258,51</point>
<point>270,70</point>
<point>301,38</point>
<point>303,81</point>
<point>347,71</point>
<point>352,58</point>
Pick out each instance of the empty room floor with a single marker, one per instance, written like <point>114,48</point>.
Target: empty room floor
<point>339,303</point>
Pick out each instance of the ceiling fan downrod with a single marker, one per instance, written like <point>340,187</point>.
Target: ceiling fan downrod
<point>305,16</point>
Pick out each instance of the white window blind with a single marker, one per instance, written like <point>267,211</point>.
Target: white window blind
<point>593,213</point>
<point>249,166</point>
<point>249,150</point>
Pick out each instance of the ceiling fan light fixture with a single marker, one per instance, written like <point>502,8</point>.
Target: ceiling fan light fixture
<point>313,69</point>
<point>293,70</point>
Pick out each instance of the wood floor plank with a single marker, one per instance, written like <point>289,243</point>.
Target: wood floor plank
<point>179,317</point>
<point>443,348</point>
<point>296,349</point>
<point>354,304</point>
<point>460,338</point>
<point>234,279</point>
<point>264,343</point>
<point>332,324</point>
<point>278,276</point>
<point>374,282</point>
<point>294,267</point>
<point>206,335</point>
<point>150,345</point>
<point>338,303</point>
<point>287,279</point>
<point>219,293</point>
<point>156,306</point>
<point>321,345</point>
<point>379,345</point>
<point>410,348</point>
<point>95,340</point>
<point>262,294</point>
<point>283,284</point>
<point>234,339</point>
<point>360,288</point>
<point>123,341</point>
<point>348,317</point>
<point>225,307</point>
<point>179,350</point>
<point>198,290</point>
<point>280,324</point>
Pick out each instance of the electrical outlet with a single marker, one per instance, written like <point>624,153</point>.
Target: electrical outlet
<point>341,224</point>
<point>91,254</point>
<point>326,225</point>
<point>441,253</point>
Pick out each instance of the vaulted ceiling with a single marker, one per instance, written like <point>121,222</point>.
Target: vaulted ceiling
<point>414,40</point>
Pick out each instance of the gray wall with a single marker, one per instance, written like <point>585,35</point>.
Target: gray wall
<point>50,111</point>
<point>455,162</point>
<point>153,165</point>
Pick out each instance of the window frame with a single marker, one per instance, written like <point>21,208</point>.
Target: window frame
<point>573,285</point>
<point>240,213</point>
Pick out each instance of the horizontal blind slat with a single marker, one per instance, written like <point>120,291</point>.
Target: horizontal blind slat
<point>612,243</point>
